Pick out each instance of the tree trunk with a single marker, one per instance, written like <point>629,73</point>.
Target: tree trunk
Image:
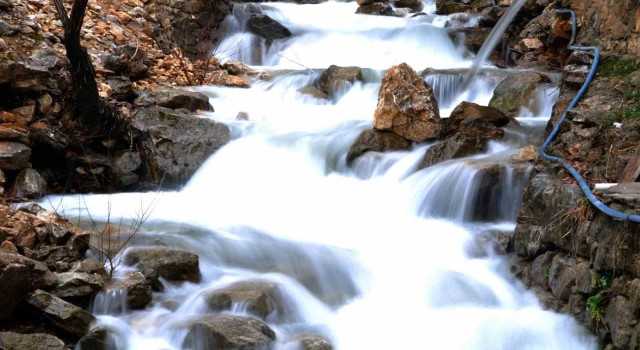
<point>85,90</point>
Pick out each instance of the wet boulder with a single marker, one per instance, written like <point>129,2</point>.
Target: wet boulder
<point>96,339</point>
<point>414,5</point>
<point>407,106</point>
<point>175,144</point>
<point>261,298</point>
<point>376,8</point>
<point>466,111</point>
<point>19,276</point>
<point>516,91</point>
<point>313,342</point>
<point>60,314</point>
<point>335,79</point>
<point>36,341</point>
<point>175,98</point>
<point>171,264</point>
<point>229,332</point>
<point>377,141</point>
<point>30,184</point>
<point>78,284</point>
<point>267,27</point>
<point>473,139</point>
<point>14,156</point>
<point>138,290</point>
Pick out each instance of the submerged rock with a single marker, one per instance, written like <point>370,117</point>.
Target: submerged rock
<point>227,332</point>
<point>378,141</point>
<point>169,263</point>
<point>137,287</point>
<point>261,298</point>
<point>334,79</point>
<point>407,106</point>
<point>267,27</point>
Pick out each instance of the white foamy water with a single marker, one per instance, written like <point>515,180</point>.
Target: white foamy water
<point>377,256</point>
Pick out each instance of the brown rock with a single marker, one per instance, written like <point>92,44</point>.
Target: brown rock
<point>36,341</point>
<point>377,141</point>
<point>172,264</point>
<point>7,245</point>
<point>406,105</point>
<point>228,332</point>
<point>261,298</point>
<point>14,156</point>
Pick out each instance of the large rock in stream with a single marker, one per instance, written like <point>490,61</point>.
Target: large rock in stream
<point>261,298</point>
<point>229,332</point>
<point>407,106</point>
<point>36,341</point>
<point>174,143</point>
<point>377,141</point>
<point>171,264</point>
<point>516,91</point>
<point>61,314</point>
<point>267,27</point>
<point>334,79</point>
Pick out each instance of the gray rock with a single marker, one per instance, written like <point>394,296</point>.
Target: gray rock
<point>7,29</point>
<point>61,314</point>
<point>121,88</point>
<point>138,290</point>
<point>516,91</point>
<point>456,146</point>
<point>36,341</point>
<point>42,71</point>
<point>78,284</point>
<point>30,184</point>
<point>229,332</point>
<point>176,144</point>
<point>335,79</point>
<point>14,156</point>
<point>267,27</point>
<point>377,141</point>
<point>620,319</point>
<point>407,106</point>
<point>97,339</point>
<point>125,164</point>
<point>19,276</point>
<point>169,263</point>
<point>261,298</point>
<point>467,111</point>
<point>175,98</point>
<point>562,276</point>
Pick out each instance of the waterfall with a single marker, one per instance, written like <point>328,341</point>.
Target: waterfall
<point>377,255</point>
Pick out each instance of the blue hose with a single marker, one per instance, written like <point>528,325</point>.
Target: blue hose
<point>581,181</point>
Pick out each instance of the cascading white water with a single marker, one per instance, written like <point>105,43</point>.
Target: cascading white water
<point>373,256</point>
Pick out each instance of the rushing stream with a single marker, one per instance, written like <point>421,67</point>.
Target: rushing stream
<point>373,256</point>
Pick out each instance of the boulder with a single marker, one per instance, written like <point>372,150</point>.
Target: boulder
<point>406,105</point>
<point>14,156</point>
<point>620,319</point>
<point>174,98</point>
<point>459,145</point>
<point>175,144</point>
<point>19,276</point>
<point>36,341</point>
<point>228,332</point>
<point>61,314</point>
<point>334,79</point>
<point>377,141</point>
<point>376,8</point>
<point>30,184</point>
<point>516,91</point>
<point>314,343</point>
<point>42,71</point>
<point>267,27</point>
<point>96,339</point>
<point>414,5</point>
<point>78,284</point>
<point>171,264</point>
<point>472,111</point>
<point>125,164</point>
<point>138,290</point>
<point>261,298</point>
